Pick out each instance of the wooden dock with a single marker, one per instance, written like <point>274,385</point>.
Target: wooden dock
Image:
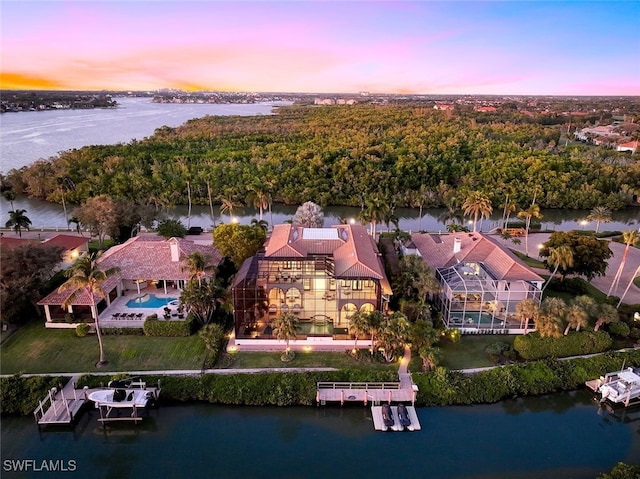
<point>374,393</point>
<point>378,423</point>
<point>61,406</point>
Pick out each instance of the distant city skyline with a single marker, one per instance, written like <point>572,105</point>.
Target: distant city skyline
<point>412,47</point>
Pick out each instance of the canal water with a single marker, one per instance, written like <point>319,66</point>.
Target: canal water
<point>558,436</point>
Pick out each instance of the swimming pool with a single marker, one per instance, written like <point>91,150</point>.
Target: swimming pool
<point>471,317</point>
<point>149,301</point>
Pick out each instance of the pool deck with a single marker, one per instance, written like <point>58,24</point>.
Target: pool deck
<point>119,306</point>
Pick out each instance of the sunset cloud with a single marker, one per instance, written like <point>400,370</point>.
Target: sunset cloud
<point>411,47</point>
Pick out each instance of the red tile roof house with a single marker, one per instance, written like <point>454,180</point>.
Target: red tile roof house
<point>322,275</point>
<point>74,247</point>
<point>149,266</point>
<point>482,281</point>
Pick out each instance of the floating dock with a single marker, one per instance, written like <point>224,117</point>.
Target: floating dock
<point>365,393</point>
<point>378,423</point>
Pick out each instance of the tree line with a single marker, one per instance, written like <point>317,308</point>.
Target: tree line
<point>399,156</point>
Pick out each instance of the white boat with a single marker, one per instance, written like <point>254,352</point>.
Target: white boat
<point>619,387</point>
<point>123,394</point>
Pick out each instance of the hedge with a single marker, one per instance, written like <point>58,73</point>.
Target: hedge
<point>20,395</point>
<point>532,346</point>
<point>156,327</point>
<point>122,331</point>
<point>444,388</point>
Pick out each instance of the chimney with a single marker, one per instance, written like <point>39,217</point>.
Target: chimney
<point>457,245</point>
<point>175,250</point>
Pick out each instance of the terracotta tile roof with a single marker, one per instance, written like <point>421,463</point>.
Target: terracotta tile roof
<point>437,252</point>
<point>83,298</point>
<point>68,242</point>
<point>148,257</point>
<point>354,251</point>
<point>13,242</point>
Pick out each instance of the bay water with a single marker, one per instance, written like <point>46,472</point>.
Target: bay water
<point>564,436</point>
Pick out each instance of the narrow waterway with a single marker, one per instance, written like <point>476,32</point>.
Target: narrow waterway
<point>557,436</point>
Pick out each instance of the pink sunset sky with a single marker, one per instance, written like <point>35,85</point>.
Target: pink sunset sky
<point>537,48</point>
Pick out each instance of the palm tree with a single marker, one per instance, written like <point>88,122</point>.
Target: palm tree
<point>560,257</point>
<point>430,357</point>
<point>374,320</point>
<point>358,325</point>
<point>9,195</point>
<point>511,207</point>
<point>262,224</point>
<point>18,220</point>
<point>532,212</point>
<point>630,238</point>
<point>374,211</point>
<point>86,278</point>
<point>452,215</point>
<point>477,204</point>
<point>285,327</point>
<point>528,310</point>
<point>228,203</point>
<point>259,198</point>
<point>417,199</point>
<point>606,314</point>
<point>552,313</point>
<point>198,264</point>
<point>600,214</point>
<point>394,335</point>
<point>576,318</point>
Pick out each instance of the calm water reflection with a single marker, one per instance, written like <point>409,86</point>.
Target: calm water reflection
<point>559,436</point>
<point>48,215</point>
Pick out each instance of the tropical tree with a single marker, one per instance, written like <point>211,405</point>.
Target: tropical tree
<point>358,325</point>
<point>452,217</point>
<point>18,221</point>
<point>374,323</point>
<point>422,334</point>
<point>259,198</point>
<point>9,195</point>
<point>86,278</point>
<point>590,254</point>
<point>309,215</point>
<point>560,257</point>
<point>239,242</point>
<point>171,228</point>
<point>606,314</point>
<point>394,334</point>
<point>528,214</point>
<point>198,265</point>
<point>599,214</point>
<point>552,314</point>
<point>576,318</point>
<point>373,212</point>
<point>416,279</point>
<point>285,327</point>
<point>260,224</point>
<point>528,310</point>
<point>228,202</point>
<point>630,238</point>
<point>430,356</point>
<point>204,299</point>
<point>24,271</point>
<point>477,204</point>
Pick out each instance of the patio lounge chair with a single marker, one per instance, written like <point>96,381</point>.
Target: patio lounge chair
<point>132,316</point>
<point>115,316</point>
<point>139,315</point>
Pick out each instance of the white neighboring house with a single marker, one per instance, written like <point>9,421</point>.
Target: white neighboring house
<point>631,146</point>
<point>482,281</point>
<point>73,248</point>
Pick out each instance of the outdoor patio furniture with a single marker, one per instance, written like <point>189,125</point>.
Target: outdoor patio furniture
<point>132,316</point>
<point>139,315</point>
<point>115,316</point>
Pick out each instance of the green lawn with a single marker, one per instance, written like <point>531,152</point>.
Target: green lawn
<point>313,359</point>
<point>469,352</point>
<point>34,349</point>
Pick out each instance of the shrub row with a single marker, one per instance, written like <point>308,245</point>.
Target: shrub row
<point>444,388</point>
<point>156,327</point>
<point>19,395</point>
<point>123,331</point>
<point>532,346</point>
<point>258,389</point>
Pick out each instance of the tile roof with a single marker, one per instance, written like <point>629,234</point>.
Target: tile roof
<point>149,257</point>
<point>354,251</point>
<point>14,242</point>
<point>146,256</point>
<point>437,252</point>
<point>68,242</point>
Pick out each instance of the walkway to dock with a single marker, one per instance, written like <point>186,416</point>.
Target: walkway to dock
<point>375,393</point>
<point>61,405</point>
